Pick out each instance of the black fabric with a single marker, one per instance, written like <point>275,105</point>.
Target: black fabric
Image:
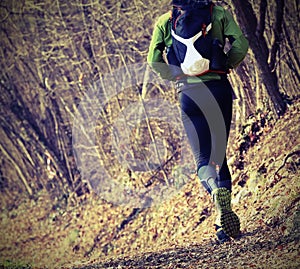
<point>205,144</point>
<point>196,3</point>
<point>187,23</point>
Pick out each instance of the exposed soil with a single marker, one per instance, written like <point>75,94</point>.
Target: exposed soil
<point>178,233</point>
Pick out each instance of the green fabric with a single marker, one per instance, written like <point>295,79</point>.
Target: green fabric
<point>223,26</point>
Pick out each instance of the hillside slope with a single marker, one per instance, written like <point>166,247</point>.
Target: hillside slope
<point>178,233</point>
<point>266,196</point>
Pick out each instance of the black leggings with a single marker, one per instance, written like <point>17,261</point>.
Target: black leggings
<point>206,115</point>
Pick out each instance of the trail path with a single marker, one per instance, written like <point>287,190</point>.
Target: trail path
<point>262,248</point>
<point>267,199</point>
<point>179,233</point>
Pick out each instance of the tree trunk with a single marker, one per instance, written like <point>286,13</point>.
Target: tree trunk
<point>247,19</point>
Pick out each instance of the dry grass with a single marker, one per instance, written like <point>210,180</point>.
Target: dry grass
<point>52,53</point>
<point>60,236</point>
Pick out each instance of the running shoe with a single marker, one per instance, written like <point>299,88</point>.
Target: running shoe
<point>221,236</point>
<point>229,221</point>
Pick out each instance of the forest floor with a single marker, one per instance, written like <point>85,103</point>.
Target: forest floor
<point>179,233</point>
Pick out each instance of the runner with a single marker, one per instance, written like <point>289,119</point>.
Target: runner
<point>193,36</point>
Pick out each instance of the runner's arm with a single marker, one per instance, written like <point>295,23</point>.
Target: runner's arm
<point>239,43</point>
<point>157,46</point>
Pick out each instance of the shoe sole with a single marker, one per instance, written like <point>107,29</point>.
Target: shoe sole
<point>230,223</point>
<point>229,220</point>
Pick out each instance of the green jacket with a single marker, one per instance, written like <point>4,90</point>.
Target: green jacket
<point>223,26</point>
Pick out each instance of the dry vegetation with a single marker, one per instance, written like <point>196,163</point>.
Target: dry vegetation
<point>52,54</point>
<point>175,234</point>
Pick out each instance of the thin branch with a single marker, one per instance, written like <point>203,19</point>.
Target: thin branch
<point>285,160</point>
<point>142,96</point>
<point>18,169</point>
<point>283,56</point>
<point>277,31</point>
<point>262,19</point>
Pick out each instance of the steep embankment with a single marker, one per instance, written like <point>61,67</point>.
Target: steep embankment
<point>266,197</point>
<point>178,233</point>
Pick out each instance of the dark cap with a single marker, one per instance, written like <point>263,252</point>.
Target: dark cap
<point>191,2</point>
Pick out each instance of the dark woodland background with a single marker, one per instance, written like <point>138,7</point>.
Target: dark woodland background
<point>52,52</point>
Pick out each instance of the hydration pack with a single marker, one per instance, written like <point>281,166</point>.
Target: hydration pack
<point>193,48</point>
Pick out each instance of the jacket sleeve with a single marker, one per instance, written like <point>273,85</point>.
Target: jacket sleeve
<point>157,44</point>
<point>160,40</point>
<point>239,43</point>
<point>156,47</point>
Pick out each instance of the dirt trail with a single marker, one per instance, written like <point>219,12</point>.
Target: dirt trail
<point>267,199</point>
<point>179,233</point>
<point>259,249</point>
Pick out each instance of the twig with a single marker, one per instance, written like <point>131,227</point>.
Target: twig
<point>146,79</point>
<point>285,160</point>
<point>22,177</point>
<point>283,56</point>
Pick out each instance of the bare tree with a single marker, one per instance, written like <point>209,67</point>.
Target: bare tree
<point>254,30</point>
<point>51,53</point>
